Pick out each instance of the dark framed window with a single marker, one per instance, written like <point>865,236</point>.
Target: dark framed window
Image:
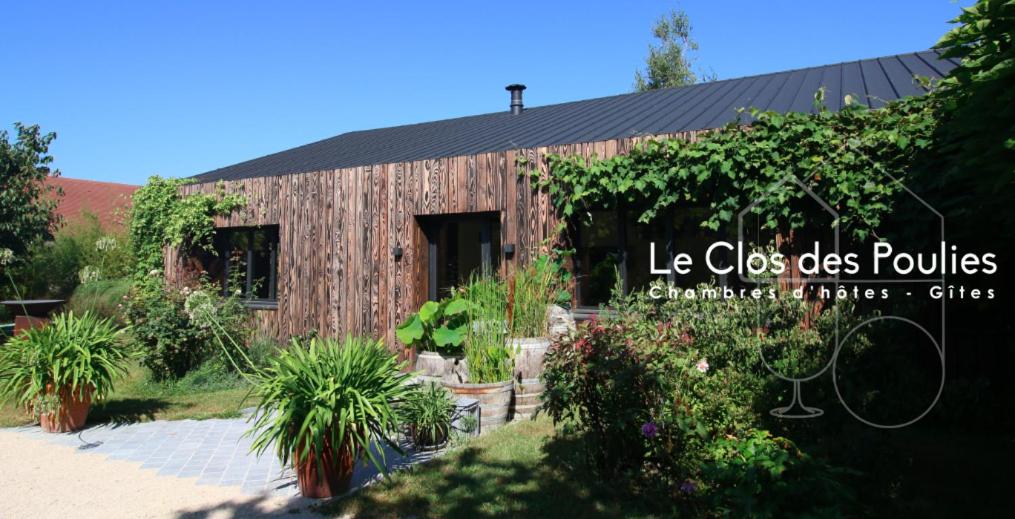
<point>614,244</point>
<point>458,247</point>
<point>250,261</point>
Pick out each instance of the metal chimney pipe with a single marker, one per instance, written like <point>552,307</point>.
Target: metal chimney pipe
<point>516,98</point>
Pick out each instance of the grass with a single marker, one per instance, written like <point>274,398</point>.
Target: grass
<point>202,394</point>
<point>519,470</point>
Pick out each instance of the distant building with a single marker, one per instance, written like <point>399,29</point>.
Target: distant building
<point>106,200</point>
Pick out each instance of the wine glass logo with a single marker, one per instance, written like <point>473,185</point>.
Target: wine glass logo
<point>777,321</point>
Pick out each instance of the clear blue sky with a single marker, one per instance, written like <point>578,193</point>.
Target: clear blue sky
<point>134,88</point>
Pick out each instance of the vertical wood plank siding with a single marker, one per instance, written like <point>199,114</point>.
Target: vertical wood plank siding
<point>336,271</point>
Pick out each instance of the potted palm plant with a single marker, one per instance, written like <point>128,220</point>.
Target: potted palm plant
<point>533,290</point>
<point>325,405</point>
<point>56,371</point>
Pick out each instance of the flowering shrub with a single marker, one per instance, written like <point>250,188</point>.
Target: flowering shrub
<point>170,325</point>
<point>596,383</point>
<point>673,392</point>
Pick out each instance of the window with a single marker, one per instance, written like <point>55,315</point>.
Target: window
<point>250,256</point>
<point>615,244</point>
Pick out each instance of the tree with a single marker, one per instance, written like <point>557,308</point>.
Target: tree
<point>669,62</point>
<point>977,136</point>
<point>26,212</point>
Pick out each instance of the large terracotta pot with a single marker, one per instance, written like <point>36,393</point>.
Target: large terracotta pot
<point>72,413</point>
<point>329,478</point>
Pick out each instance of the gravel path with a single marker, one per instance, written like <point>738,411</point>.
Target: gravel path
<point>40,478</point>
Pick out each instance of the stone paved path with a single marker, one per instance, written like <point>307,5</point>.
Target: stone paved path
<point>213,451</point>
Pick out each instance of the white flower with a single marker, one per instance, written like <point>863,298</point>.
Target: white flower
<point>702,365</point>
<point>89,274</point>
<point>185,291</point>
<point>200,307</point>
<point>6,256</point>
<point>106,243</point>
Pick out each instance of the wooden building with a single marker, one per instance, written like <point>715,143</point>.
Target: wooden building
<point>352,233</point>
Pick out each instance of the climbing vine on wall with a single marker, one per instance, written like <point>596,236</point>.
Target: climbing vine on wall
<point>161,216</point>
<point>844,157</point>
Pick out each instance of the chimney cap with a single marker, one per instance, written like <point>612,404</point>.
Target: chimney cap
<point>516,97</point>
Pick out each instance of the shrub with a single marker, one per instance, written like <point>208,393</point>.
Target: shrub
<point>427,412</point>
<point>72,351</point>
<point>328,393</point>
<point>596,384</point>
<point>104,298</point>
<point>758,475</point>
<point>170,339</point>
<point>55,267</point>
<point>658,388</point>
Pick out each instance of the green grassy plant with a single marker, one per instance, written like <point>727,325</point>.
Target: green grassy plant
<point>327,392</point>
<point>536,286</point>
<point>488,358</point>
<point>75,352</point>
<point>103,298</point>
<point>427,412</point>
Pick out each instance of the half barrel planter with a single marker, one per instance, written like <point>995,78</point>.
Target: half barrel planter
<point>529,355</point>
<point>494,401</point>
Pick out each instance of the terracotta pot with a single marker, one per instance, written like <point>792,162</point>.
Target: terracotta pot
<point>329,478</point>
<point>73,412</point>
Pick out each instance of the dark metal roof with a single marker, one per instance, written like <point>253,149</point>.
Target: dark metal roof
<point>695,107</point>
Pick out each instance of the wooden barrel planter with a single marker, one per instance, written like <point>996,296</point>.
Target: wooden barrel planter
<point>434,367</point>
<point>494,401</point>
<point>528,398</point>
<point>529,354</point>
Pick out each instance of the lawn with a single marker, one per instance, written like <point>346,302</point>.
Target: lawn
<point>523,470</point>
<point>518,470</point>
<point>138,399</point>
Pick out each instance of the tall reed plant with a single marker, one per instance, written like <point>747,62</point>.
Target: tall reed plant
<point>535,287</point>
<point>488,358</point>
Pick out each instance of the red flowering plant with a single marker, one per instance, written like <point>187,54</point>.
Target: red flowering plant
<point>597,385</point>
<point>652,383</point>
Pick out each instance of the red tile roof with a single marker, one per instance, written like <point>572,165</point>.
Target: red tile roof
<point>103,199</point>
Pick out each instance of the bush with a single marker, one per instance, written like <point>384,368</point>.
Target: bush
<point>104,298</point>
<point>80,250</point>
<point>758,475</point>
<point>660,388</point>
<point>164,328</point>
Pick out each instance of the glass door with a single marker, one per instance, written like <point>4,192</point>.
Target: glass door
<point>460,246</point>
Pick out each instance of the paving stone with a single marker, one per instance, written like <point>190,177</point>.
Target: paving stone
<point>215,452</point>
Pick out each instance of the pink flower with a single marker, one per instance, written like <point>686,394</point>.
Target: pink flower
<point>702,365</point>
